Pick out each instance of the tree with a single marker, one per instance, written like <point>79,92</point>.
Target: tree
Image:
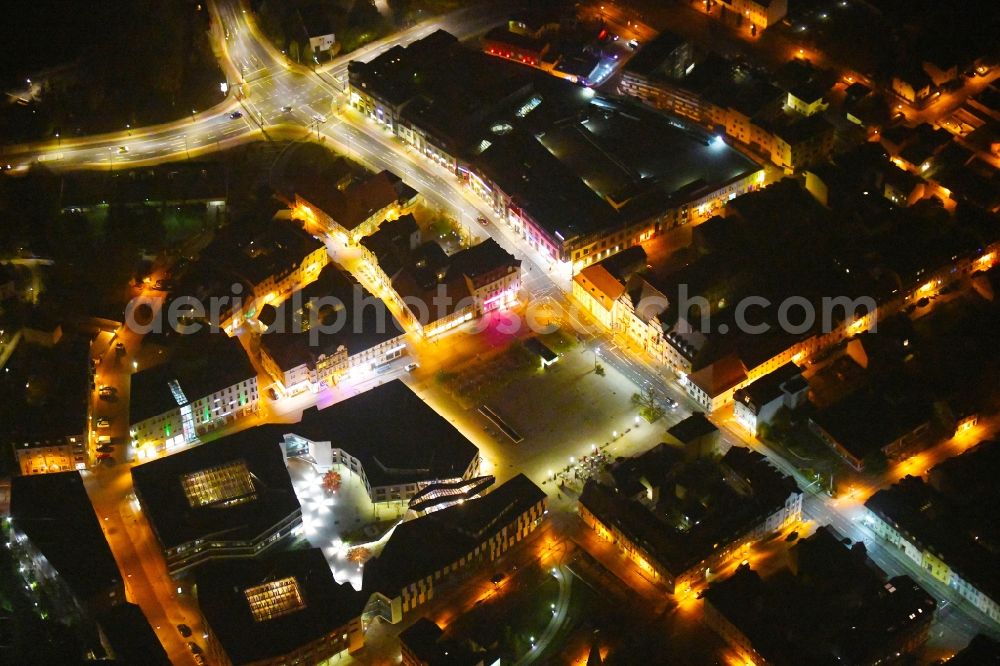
<point>331,481</point>
<point>646,401</point>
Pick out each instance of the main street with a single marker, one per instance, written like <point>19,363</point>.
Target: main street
<point>277,93</point>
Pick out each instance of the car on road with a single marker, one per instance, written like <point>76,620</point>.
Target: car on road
<point>286,109</point>
<point>633,44</point>
<point>410,367</point>
<point>108,390</point>
<point>483,221</point>
<point>103,422</point>
<point>122,150</point>
<point>184,630</point>
<point>235,115</point>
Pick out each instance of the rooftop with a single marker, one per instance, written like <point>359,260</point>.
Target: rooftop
<point>419,547</point>
<point>721,502</point>
<point>55,513</point>
<point>834,606</point>
<point>865,421</point>
<point>692,427</point>
<point>243,604</point>
<point>332,312</point>
<point>200,365</point>
<point>255,254</point>
<point>397,437</point>
<point>576,163</point>
<point>649,59</point>
<point>767,388</point>
<point>952,515</point>
<point>44,392</point>
<point>236,486</point>
<point>131,637</point>
<point>357,202</point>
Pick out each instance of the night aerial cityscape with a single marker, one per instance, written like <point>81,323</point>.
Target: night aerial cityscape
<point>482,332</point>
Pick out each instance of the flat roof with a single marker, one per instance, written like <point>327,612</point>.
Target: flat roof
<point>419,547</point>
<point>325,607</point>
<point>131,637</point>
<point>575,162</point>
<point>55,513</point>
<point>398,438</point>
<point>864,422</point>
<point>255,254</point>
<point>177,520</point>
<point>200,364</point>
<point>651,55</point>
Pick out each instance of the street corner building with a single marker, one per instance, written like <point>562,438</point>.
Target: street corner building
<point>578,176</point>
<point>387,436</point>
<point>208,383</point>
<point>449,544</point>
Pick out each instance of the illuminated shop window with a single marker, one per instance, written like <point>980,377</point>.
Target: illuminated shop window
<point>227,484</point>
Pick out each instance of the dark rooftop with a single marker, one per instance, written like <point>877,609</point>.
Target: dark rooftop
<point>274,249</point>
<point>177,518</point>
<point>955,517</point>
<point>691,428</point>
<point>356,203</point>
<point>55,513</point>
<point>418,548</point>
<point>200,364</point>
<point>295,336</point>
<point>45,391</point>
<point>131,637</point>
<point>767,388</point>
<point>649,59</point>
<point>326,605</point>
<point>865,422</point>
<point>811,612</point>
<point>397,437</point>
<point>722,501</point>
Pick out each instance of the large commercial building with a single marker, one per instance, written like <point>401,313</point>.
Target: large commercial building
<point>60,552</point>
<point>363,435</point>
<point>943,524</point>
<point>228,499</point>
<point>678,521</point>
<point>578,176</point>
<point>729,98</point>
<point>423,553</point>
<point>45,392</point>
<point>330,329</point>
<point>284,608</point>
<point>831,606</point>
<point>208,383</point>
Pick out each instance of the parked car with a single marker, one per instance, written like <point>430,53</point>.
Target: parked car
<point>235,115</point>
<point>483,221</point>
<point>410,367</point>
<point>122,150</point>
<point>103,422</point>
